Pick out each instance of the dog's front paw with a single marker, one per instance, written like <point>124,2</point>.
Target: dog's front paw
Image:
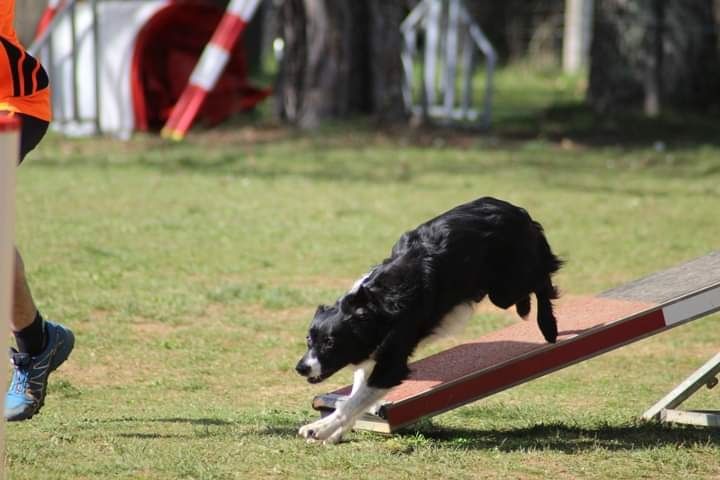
<point>327,430</point>
<point>337,436</point>
<point>308,431</point>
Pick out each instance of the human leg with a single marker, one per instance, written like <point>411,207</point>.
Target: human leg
<point>41,345</point>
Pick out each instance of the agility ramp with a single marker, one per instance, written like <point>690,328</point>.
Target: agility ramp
<point>587,327</point>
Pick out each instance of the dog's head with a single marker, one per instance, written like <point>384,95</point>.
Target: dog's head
<point>347,332</point>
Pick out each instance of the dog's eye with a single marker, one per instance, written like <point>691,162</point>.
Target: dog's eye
<point>308,341</point>
<point>328,342</point>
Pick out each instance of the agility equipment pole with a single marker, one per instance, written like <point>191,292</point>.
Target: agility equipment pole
<point>211,65</point>
<point>588,327</point>
<point>47,17</point>
<point>9,155</point>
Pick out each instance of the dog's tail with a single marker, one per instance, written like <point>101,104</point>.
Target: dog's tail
<point>546,292</point>
<point>545,316</point>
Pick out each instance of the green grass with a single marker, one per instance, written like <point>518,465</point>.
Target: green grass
<point>189,273</point>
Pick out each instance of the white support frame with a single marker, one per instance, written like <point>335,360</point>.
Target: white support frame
<point>449,29</point>
<point>665,409</point>
<point>9,155</point>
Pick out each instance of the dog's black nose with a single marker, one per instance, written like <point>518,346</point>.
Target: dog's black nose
<point>302,368</point>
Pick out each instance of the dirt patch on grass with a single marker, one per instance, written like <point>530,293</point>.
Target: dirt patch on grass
<point>153,328</point>
<point>245,135</point>
<point>217,313</point>
<point>222,316</point>
<point>329,283</point>
<point>98,315</point>
<point>285,314</point>
<point>106,372</point>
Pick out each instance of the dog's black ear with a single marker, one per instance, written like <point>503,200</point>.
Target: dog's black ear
<point>354,302</point>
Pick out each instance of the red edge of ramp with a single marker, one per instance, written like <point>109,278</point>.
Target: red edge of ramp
<point>526,368</point>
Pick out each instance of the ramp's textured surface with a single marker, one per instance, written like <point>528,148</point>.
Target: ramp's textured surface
<point>672,283</point>
<point>511,343</point>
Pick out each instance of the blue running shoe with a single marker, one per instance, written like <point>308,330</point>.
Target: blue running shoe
<point>26,394</point>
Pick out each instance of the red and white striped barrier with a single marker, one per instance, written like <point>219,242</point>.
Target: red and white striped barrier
<point>47,17</point>
<point>212,63</point>
<point>9,155</point>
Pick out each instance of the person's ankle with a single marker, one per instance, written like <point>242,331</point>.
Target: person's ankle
<point>33,338</point>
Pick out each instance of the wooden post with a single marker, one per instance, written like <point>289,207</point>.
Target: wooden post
<point>577,35</point>
<point>653,74</point>
<point>9,155</point>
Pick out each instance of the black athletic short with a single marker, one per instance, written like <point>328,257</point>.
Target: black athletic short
<point>32,130</point>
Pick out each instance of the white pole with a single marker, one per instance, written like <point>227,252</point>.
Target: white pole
<point>432,41</point>
<point>577,34</point>
<point>451,55</point>
<point>9,155</point>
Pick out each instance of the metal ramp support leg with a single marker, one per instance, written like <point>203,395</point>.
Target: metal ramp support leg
<point>665,410</point>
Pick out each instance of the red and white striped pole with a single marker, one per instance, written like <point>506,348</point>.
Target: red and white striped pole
<point>47,16</point>
<point>9,155</point>
<point>212,63</point>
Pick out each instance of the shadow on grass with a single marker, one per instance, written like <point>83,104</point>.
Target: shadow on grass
<point>555,146</point>
<point>199,427</point>
<point>569,171</point>
<point>155,436</point>
<point>191,421</point>
<point>335,160</point>
<point>276,424</point>
<point>630,130</point>
<point>285,431</point>
<point>571,439</point>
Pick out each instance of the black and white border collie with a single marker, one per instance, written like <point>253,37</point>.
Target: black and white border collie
<point>434,276</point>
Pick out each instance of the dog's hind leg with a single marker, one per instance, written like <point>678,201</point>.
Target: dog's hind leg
<point>522,307</point>
<point>507,297</point>
<point>545,294</point>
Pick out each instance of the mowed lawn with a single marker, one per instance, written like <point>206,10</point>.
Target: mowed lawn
<point>189,273</point>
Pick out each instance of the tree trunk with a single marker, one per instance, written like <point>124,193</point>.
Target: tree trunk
<point>385,46</point>
<point>654,53</point>
<point>341,58</point>
<point>315,71</point>
<point>290,78</point>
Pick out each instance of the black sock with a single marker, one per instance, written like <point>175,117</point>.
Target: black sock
<point>31,339</point>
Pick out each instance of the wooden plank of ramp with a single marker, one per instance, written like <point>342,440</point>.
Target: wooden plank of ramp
<point>588,326</point>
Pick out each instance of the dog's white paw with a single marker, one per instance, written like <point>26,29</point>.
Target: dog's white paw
<point>331,434</point>
<point>327,430</point>
<point>375,408</point>
<point>308,431</point>
<point>337,436</point>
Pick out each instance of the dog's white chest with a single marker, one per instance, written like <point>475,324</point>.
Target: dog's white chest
<point>454,321</point>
